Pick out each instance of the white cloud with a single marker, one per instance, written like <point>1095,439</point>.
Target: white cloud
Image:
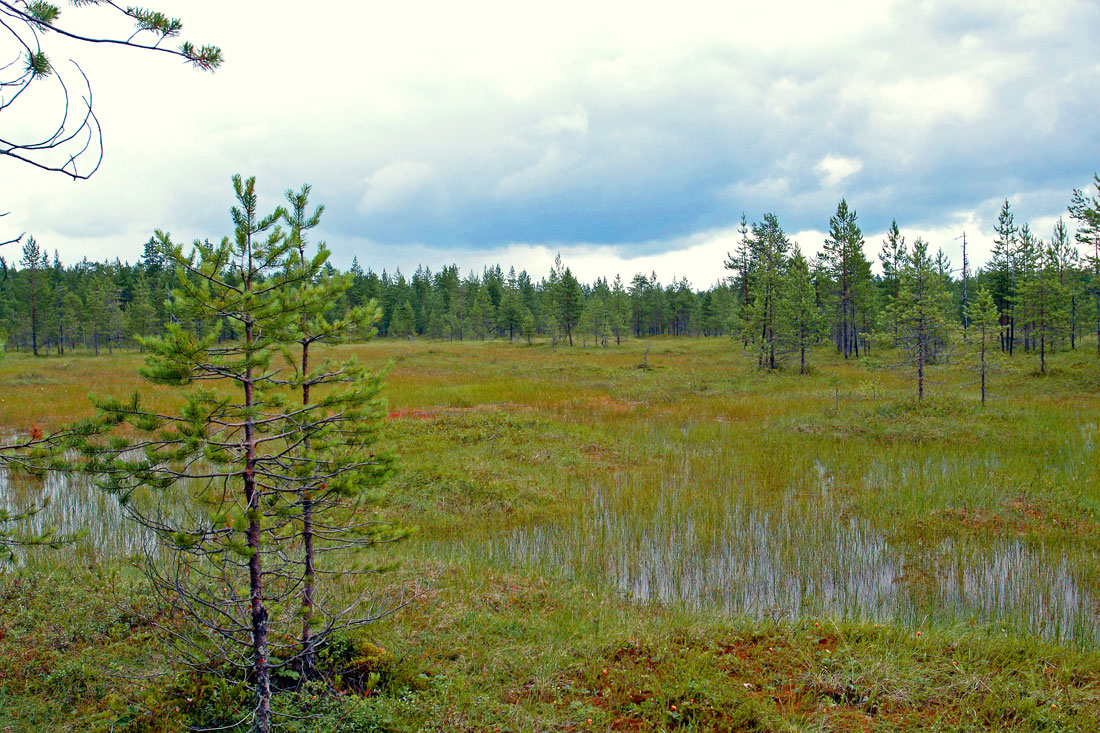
<point>393,185</point>
<point>835,169</point>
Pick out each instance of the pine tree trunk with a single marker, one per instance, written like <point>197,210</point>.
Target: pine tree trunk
<point>1073,324</point>
<point>983,366</point>
<point>308,580</point>
<point>260,666</point>
<point>920,378</point>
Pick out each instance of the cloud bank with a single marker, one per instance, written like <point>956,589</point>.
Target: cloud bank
<point>629,136</point>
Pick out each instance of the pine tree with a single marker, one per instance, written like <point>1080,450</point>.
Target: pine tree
<point>1066,262</point>
<point>318,286</point>
<point>851,273</point>
<point>801,323</point>
<point>481,312</point>
<point>1085,210</point>
<point>595,321</point>
<point>402,324</point>
<point>761,323</point>
<point>923,305</point>
<point>511,311</point>
<point>983,317</point>
<point>567,297</point>
<point>1002,267</point>
<point>141,316</point>
<point>527,325</point>
<point>31,262</point>
<point>742,263</point>
<point>618,310</point>
<point>243,452</point>
<point>893,257</point>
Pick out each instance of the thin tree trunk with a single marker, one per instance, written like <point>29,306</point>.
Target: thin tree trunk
<point>1073,324</point>
<point>255,569</point>
<point>983,366</point>
<point>307,538</point>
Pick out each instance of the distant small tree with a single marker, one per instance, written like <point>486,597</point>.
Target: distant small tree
<point>31,262</point>
<point>527,325</point>
<point>801,322</point>
<point>618,310</point>
<point>553,329</point>
<point>568,299</point>
<point>595,321</point>
<point>511,311</point>
<point>922,307</point>
<point>893,258</point>
<point>1042,300</point>
<point>761,322</point>
<point>1003,268</point>
<point>141,315</point>
<point>401,325</point>
<point>1084,208</point>
<point>850,271</point>
<point>983,317</point>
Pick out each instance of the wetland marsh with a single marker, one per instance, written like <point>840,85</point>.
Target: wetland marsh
<point>596,499</point>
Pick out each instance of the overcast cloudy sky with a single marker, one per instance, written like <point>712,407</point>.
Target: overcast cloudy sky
<point>629,136</point>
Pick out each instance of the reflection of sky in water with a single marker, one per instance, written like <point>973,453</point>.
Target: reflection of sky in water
<point>72,503</point>
<point>796,555</point>
<point>704,540</point>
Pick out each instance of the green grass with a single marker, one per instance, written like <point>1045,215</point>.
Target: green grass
<point>737,549</point>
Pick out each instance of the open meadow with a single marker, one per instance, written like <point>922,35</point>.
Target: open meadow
<point>647,537</point>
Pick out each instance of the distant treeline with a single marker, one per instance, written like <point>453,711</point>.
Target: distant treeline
<point>1045,292</point>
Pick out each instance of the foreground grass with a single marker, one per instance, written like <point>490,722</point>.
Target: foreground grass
<point>496,437</point>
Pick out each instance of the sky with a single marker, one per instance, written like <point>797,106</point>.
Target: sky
<point>628,136</point>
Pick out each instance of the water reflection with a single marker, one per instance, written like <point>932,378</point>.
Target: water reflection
<point>702,539</point>
<point>71,503</point>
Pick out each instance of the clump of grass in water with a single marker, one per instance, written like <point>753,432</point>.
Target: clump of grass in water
<point>770,534</point>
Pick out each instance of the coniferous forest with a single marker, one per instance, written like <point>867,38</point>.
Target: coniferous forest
<point>1045,289</point>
